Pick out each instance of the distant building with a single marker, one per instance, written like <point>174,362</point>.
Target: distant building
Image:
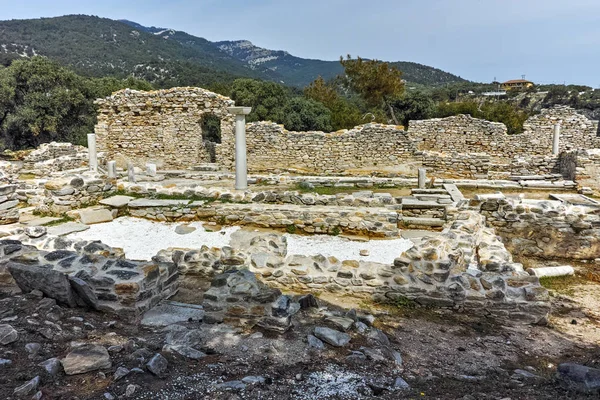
<point>516,84</point>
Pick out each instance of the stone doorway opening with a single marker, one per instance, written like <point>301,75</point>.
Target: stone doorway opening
<point>210,126</point>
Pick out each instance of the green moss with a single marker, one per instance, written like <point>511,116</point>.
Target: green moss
<point>291,229</point>
<point>562,284</point>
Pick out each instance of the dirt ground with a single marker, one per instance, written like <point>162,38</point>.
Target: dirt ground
<point>445,355</point>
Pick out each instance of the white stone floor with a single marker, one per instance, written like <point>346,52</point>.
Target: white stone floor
<point>141,239</point>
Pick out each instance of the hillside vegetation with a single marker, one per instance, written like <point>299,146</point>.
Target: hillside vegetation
<point>96,46</point>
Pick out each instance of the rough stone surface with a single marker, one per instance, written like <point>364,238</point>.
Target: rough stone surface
<point>86,358</point>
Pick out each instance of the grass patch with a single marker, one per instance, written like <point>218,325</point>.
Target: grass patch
<point>62,220</point>
<point>562,284</point>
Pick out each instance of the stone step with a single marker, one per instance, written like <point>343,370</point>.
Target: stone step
<point>428,191</point>
<point>454,192</point>
<point>206,167</point>
<point>410,204</point>
<point>415,221</point>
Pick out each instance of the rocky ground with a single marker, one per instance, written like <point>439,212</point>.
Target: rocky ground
<point>403,352</point>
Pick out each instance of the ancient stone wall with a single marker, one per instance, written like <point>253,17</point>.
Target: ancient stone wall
<point>544,229</point>
<point>370,146</point>
<point>54,157</point>
<point>576,130</point>
<point>163,127</point>
<point>9,202</point>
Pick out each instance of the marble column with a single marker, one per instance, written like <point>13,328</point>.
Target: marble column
<point>241,169</point>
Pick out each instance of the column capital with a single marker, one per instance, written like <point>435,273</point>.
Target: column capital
<point>239,110</point>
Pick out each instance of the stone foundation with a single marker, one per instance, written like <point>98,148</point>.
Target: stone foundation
<point>545,229</point>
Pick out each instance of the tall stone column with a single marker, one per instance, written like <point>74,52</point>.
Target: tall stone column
<point>93,157</point>
<point>241,168</point>
<point>556,139</point>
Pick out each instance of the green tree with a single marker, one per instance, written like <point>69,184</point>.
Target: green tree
<point>42,101</point>
<point>267,99</point>
<point>413,106</point>
<point>303,114</point>
<point>375,81</point>
<point>344,115</point>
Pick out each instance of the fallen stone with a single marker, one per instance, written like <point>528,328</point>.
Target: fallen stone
<point>401,384</point>
<point>168,313</point>
<point>120,373</point>
<point>331,336</point>
<point>157,365</point>
<point>95,216</point>
<point>86,358</point>
<point>308,301</point>
<point>33,348</point>
<point>232,385</point>
<point>52,366</point>
<point>116,201</point>
<point>275,324</point>
<point>5,362</point>
<point>315,342</point>
<point>84,291</point>
<point>66,229</point>
<point>251,380</point>
<point>184,229</point>
<point>185,351</point>
<point>579,377</point>
<point>27,388</point>
<point>35,231</point>
<point>53,284</point>
<point>341,323</point>
<point>8,334</point>
<point>130,390</point>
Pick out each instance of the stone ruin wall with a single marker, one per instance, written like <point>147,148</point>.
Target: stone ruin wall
<point>576,130</point>
<point>373,146</point>
<point>543,228</point>
<point>163,127</point>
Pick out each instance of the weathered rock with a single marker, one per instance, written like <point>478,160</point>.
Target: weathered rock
<point>331,336</point>
<point>184,229</point>
<point>252,380</point>
<point>158,365</point>
<point>86,358</point>
<point>121,373</point>
<point>35,231</point>
<point>53,284</point>
<point>275,324</point>
<point>95,216</point>
<point>52,366</point>
<point>231,385</point>
<point>341,323</point>
<point>579,377</point>
<point>84,291</point>
<point>27,388</point>
<point>185,351</point>
<point>316,343</point>
<point>8,334</point>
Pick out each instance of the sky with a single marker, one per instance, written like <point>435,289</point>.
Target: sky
<point>548,41</point>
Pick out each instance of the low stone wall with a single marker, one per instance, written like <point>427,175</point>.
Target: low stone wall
<point>370,146</point>
<point>310,219</point>
<point>9,213</point>
<point>544,229</point>
<point>455,164</point>
<point>466,267</point>
<point>72,192</point>
<point>585,167</point>
<point>53,157</point>
<point>90,276</point>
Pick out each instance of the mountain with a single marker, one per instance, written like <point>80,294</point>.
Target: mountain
<point>100,46</point>
<point>301,71</point>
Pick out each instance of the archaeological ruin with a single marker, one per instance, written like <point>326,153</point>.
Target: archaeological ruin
<point>453,215</point>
